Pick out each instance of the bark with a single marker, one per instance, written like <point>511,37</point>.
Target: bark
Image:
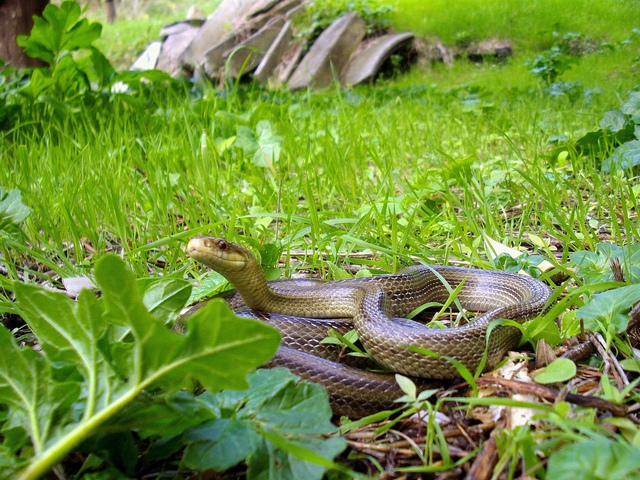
<point>111,10</point>
<point>16,19</point>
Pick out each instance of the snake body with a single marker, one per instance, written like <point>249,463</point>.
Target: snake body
<point>372,306</point>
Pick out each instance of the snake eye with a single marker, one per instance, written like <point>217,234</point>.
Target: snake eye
<point>222,245</point>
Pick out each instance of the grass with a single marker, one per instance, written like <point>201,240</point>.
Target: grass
<point>528,24</point>
<point>422,167</point>
<point>408,169</point>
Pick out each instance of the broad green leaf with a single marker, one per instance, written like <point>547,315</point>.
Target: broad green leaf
<point>632,106</point>
<point>613,121</point>
<point>594,267</point>
<point>165,298</point>
<point>263,145</point>
<point>269,145</point>
<point>163,415</point>
<point>211,285</point>
<point>218,350</point>
<point>285,457</point>
<point>282,420</point>
<point>12,213</point>
<point>32,394</point>
<point>608,311</point>
<point>101,67</point>
<point>407,385</point>
<point>599,459</point>
<point>625,157</point>
<point>560,370</point>
<point>214,349</point>
<point>9,463</point>
<point>67,331</point>
<point>220,444</point>
<point>630,364</point>
<point>59,29</point>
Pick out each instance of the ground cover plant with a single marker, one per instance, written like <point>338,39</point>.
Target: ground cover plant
<point>446,165</point>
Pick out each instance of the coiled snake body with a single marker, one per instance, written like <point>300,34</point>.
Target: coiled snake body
<point>372,306</point>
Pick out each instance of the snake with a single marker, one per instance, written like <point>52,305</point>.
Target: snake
<point>376,307</point>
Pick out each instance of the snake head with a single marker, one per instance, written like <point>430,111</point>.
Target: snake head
<point>221,255</point>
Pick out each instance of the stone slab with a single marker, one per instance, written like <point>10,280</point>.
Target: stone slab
<point>274,55</point>
<point>489,48</point>
<point>149,58</point>
<point>220,24</point>
<point>179,27</point>
<point>364,64</point>
<point>330,53</point>
<point>280,8</point>
<point>172,48</point>
<point>214,58</point>
<point>246,56</point>
<point>287,65</point>
<point>261,6</point>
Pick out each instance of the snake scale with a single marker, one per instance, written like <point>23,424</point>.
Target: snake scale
<point>303,311</point>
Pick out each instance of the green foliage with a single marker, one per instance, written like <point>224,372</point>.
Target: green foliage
<point>54,38</point>
<point>598,459</point>
<point>620,131</point>
<point>58,32</point>
<point>525,262</point>
<point>595,267</point>
<point>79,75</point>
<point>550,64</point>
<point>263,146</point>
<point>560,370</point>
<point>276,426</point>
<point>607,312</point>
<point>12,213</point>
<point>9,86</point>
<point>319,14</point>
<point>100,356</point>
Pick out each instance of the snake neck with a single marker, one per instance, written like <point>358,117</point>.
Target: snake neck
<point>251,284</point>
<point>300,301</point>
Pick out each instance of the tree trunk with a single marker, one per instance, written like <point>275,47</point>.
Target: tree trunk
<point>111,10</point>
<point>16,19</point>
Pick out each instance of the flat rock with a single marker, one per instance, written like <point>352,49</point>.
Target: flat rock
<point>275,54</point>
<point>365,63</point>
<point>287,65</point>
<point>491,48</point>
<point>261,6</point>
<point>246,56</point>
<point>215,29</point>
<point>214,58</point>
<point>261,17</point>
<point>173,47</point>
<point>330,53</point>
<point>149,58</point>
<point>179,27</point>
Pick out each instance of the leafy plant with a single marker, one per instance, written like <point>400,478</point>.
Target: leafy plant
<point>618,138</point>
<point>607,312</point>
<point>79,75</point>
<point>595,267</point>
<point>319,14</point>
<point>525,262</point>
<point>277,425</point>
<point>12,213</point>
<point>110,365</point>
<point>54,38</point>
<point>263,145</point>
<point>550,64</point>
<point>597,459</point>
